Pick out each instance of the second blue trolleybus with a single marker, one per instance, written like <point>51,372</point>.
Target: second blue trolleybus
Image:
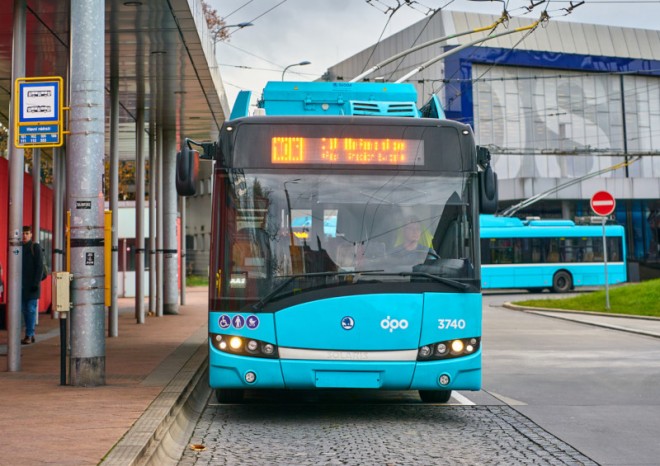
<point>555,254</point>
<point>345,243</point>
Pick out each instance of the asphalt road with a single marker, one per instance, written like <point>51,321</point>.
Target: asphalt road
<point>596,389</point>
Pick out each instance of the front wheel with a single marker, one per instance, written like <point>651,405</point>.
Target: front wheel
<point>435,396</point>
<point>229,395</point>
<point>562,282</point>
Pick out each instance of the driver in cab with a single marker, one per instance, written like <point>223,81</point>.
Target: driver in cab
<point>411,245</point>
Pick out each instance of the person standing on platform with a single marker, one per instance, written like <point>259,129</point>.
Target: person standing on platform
<point>31,289</point>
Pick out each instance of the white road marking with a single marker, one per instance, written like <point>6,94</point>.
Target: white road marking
<point>463,400</point>
<point>507,400</point>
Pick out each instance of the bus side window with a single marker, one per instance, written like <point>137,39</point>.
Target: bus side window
<point>536,250</point>
<point>485,251</point>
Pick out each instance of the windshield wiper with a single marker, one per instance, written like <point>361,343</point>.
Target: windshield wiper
<point>289,278</point>
<point>446,281</point>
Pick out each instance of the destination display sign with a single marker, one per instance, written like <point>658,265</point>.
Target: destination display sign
<point>347,151</point>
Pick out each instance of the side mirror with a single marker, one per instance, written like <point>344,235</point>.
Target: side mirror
<point>488,191</point>
<point>187,171</point>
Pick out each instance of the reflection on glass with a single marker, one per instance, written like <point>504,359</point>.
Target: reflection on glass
<point>319,230</point>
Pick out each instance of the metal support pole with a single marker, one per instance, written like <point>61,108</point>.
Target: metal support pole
<point>159,234</point>
<point>16,161</point>
<point>139,216</point>
<point>152,220</point>
<point>36,205</point>
<point>607,282</point>
<point>630,231</point>
<point>36,194</point>
<point>58,212</point>
<point>58,217</point>
<point>170,246</point>
<point>113,314</point>
<point>63,349</point>
<point>183,250</point>
<point>85,196</point>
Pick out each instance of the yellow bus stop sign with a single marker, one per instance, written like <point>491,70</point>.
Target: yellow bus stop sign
<point>38,112</point>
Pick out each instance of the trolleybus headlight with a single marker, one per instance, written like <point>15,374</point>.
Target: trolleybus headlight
<point>448,349</point>
<point>252,346</point>
<point>250,377</point>
<point>236,343</point>
<point>242,346</point>
<point>457,346</point>
<point>424,352</point>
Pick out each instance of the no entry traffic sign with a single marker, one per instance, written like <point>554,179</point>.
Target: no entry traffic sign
<point>603,203</point>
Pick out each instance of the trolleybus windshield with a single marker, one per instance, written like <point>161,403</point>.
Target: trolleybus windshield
<point>289,233</point>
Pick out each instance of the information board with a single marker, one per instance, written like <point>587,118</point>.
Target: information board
<point>38,112</point>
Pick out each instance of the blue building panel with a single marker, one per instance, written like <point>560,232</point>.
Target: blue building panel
<point>458,67</point>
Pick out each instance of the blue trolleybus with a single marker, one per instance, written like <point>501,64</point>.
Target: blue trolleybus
<point>555,254</point>
<point>345,243</point>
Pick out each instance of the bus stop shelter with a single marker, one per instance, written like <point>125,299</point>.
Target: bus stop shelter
<point>161,84</point>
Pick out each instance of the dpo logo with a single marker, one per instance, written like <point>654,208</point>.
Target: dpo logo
<point>393,324</point>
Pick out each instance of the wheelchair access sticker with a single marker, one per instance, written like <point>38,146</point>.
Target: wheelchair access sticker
<point>225,321</point>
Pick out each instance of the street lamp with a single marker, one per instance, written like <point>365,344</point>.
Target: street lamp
<point>302,63</point>
<point>216,34</point>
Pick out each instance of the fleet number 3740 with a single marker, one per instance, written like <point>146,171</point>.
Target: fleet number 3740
<point>451,323</point>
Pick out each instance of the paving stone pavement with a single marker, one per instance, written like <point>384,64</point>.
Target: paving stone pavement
<point>385,435</point>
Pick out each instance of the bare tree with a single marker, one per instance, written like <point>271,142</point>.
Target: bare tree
<point>215,23</point>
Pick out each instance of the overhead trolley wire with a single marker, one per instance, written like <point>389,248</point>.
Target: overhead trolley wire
<point>373,50</point>
<point>389,60</point>
<point>237,9</point>
<point>436,11</point>
<point>464,46</point>
<point>261,15</point>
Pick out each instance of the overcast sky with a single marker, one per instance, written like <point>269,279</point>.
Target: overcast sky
<point>326,32</point>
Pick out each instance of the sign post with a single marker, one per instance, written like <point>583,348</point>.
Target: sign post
<point>603,204</point>
<point>39,118</point>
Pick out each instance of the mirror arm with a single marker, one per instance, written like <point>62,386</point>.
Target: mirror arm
<point>208,148</point>
<point>483,157</point>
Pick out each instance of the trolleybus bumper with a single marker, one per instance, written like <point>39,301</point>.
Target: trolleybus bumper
<point>231,371</point>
